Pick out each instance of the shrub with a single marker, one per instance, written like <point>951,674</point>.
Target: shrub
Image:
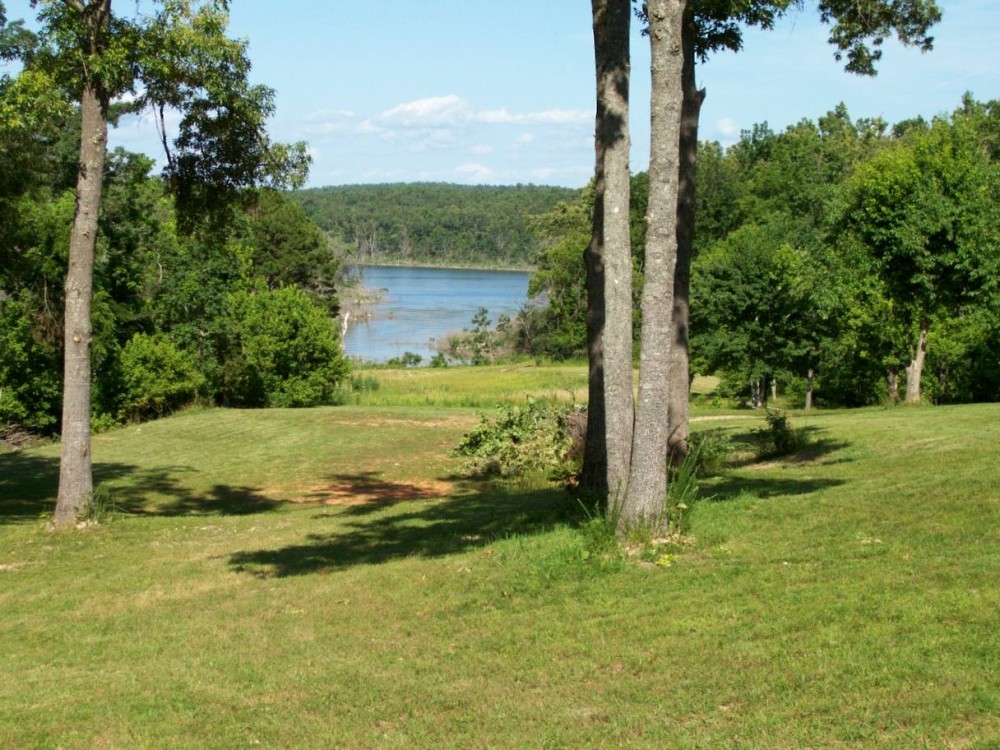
<point>157,377</point>
<point>778,438</point>
<point>283,351</point>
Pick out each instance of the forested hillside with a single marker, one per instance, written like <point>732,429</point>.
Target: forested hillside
<point>432,222</point>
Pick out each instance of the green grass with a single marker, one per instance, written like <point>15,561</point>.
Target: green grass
<point>481,387</point>
<point>845,597</point>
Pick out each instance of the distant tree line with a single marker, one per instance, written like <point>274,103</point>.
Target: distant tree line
<point>433,223</point>
<point>844,262</point>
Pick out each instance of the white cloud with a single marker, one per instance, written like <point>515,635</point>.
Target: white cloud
<point>474,172</point>
<point>548,117</point>
<point>452,110</point>
<point>728,130</point>
<point>526,138</point>
<point>431,112</point>
<point>328,122</point>
<point>481,149</point>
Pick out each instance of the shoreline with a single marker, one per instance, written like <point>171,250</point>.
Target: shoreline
<point>443,267</point>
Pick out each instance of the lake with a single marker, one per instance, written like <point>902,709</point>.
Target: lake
<point>421,305</point>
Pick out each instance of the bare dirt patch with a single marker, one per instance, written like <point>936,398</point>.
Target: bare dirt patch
<point>365,489</point>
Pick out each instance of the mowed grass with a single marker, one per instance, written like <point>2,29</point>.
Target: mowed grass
<point>323,578</point>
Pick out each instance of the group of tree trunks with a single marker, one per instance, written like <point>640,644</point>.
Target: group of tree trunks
<point>628,442</point>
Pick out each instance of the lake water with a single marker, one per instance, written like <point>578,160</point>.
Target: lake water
<point>420,305</point>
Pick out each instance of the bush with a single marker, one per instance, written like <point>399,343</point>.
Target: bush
<point>517,440</point>
<point>779,438</point>
<point>157,377</point>
<point>283,351</point>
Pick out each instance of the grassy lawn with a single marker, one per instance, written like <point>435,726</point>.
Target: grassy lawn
<point>324,578</point>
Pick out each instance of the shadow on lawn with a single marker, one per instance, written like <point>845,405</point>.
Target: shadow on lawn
<point>29,484</point>
<point>471,516</point>
<point>819,452</point>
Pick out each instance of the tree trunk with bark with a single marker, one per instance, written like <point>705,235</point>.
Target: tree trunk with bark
<point>76,482</point>
<point>915,369</point>
<point>613,324</point>
<point>809,388</point>
<point>680,368</point>
<point>594,474</point>
<point>648,478</point>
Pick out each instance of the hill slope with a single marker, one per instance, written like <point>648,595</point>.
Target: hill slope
<point>432,222</point>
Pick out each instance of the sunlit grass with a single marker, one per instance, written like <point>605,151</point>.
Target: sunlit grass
<point>320,578</point>
<point>478,387</point>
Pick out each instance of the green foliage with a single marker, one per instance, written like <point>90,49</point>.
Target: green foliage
<point>283,351</point>
<point>482,345</point>
<point>517,440</point>
<point>102,506</point>
<point>553,325</point>
<point>599,535</point>
<point>157,377</point>
<point>406,359</point>
<point>709,451</point>
<point>779,438</point>
<point>289,249</point>
<point>433,223</point>
<point>364,383</point>
<point>683,488</point>
<point>30,386</point>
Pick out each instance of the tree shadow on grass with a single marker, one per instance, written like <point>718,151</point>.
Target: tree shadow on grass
<point>742,476</point>
<point>29,484</point>
<point>730,486</point>
<point>471,516</point>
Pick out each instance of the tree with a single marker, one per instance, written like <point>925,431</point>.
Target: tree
<point>289,249</point>
<point>608,262</point>
<point>858,32</point>
<point>927,211</point>
<point>179,57</point>
<point>648,479</point>
<point>758,315</point>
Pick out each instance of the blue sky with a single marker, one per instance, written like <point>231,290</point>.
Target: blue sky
<point>501,91</point>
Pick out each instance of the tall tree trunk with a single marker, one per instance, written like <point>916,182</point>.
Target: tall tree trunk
<point>648,479</point>
<point>680,368</point>
<point>916,368</point>
<point>594,475</point>
<point>76,482</point>
<point>611,232</point>
<point>809,388</point>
